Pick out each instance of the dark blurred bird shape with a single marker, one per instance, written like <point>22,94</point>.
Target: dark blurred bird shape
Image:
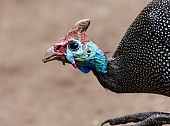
<point>141,63</point>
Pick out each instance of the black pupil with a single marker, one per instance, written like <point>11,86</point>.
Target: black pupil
<point>73,45</point>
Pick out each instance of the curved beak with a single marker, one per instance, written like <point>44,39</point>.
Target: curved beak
<point>51,55</point>
<point>60,55</point>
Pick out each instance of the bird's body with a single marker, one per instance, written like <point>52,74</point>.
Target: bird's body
<point>140,64</point>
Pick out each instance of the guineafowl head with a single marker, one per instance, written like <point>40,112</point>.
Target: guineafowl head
<point>77,49</point>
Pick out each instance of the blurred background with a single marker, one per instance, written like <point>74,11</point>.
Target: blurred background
<point>36,94</point>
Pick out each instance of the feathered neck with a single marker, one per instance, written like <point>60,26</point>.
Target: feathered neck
<point>104,78</point>
<point>109,79</point>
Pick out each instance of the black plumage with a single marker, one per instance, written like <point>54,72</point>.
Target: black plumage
<point>141,63</point>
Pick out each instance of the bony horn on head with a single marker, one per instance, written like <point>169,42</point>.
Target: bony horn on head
<point>78,31</point>
<point>81,26</point>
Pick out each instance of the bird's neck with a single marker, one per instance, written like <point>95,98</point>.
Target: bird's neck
<point>110,80</point>
<point>107,79</point>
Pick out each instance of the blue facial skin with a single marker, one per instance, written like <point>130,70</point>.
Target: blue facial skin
<point>87,56</point>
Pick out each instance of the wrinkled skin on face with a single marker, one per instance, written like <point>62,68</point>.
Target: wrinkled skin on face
<point>77,49</point>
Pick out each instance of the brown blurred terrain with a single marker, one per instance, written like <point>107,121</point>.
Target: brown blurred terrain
<point>37,94</point>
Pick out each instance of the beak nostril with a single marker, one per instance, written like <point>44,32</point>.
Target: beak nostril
<point>56,48</point>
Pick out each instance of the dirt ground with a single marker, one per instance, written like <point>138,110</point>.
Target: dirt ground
<point>37,94</point>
